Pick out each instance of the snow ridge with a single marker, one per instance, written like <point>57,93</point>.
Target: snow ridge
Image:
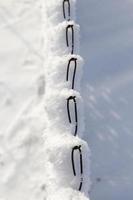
<point>67,154</point>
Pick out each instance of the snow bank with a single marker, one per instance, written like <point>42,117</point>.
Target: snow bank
<point>67,154</point>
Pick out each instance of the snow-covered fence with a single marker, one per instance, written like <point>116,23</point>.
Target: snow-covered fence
<point>68,155</point>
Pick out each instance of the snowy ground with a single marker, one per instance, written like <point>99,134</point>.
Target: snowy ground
<point>106,45</point>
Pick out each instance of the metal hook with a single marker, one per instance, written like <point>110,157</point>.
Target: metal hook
<point>69,9</point>
<point>76,115</point>
<point>81,164</point>
<point>70,26</point>
<point>75,67</point>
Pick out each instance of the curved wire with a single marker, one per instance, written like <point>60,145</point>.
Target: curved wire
<point>76,113</point>
<point>73,98</point>
<point>69,9</point>
<point>81,164</point>
<point>74,73</point>
<point>70,26</point>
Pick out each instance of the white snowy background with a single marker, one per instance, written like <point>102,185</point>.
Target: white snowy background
<point>107,47</point>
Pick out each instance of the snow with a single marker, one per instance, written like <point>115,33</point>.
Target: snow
<point>37,140</point>
<point>59,135</point>
<point>106,45</point>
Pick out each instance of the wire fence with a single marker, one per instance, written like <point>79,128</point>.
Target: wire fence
<point>70,27</point>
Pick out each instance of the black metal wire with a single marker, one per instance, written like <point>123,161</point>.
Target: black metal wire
<point>76,113</point>
<point>74,73</point>
<point>81,184</point>
<point>69,9</point>
<point>81,164</point>
<point>70,26</point>
<point>73,98</point>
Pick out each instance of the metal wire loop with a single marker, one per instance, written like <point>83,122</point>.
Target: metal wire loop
<point>73,98</point>
<point>64,10</point>
<point>74,73</point>
<point>67,36</point>
<point>78,148</point>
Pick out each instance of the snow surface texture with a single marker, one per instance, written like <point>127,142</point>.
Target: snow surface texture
<point>59,135</point>
<point>35,148</point>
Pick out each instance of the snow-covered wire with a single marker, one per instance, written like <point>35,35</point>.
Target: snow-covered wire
<point>74,73</point>
<point>75,148</point>
<point>63,101</point>
<point>64,9</point>
<point>73,98</point>
<point>70,27</point>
